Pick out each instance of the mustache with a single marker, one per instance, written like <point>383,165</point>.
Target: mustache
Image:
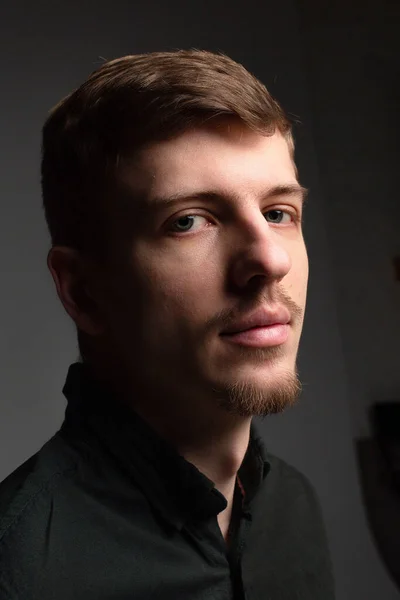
<point>268,298</point>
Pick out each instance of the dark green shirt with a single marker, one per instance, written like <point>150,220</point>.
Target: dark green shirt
<point>108,510</point>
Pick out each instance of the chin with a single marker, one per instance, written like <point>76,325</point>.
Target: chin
<point>258,393</point>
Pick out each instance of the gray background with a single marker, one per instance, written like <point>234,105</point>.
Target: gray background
<point>335,67</point>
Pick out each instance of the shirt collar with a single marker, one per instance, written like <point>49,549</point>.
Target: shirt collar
<point>174,486</point>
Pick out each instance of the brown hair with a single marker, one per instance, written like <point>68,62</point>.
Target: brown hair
<point>125,104</point>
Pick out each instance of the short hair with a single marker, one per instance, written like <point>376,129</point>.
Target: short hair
<point>125,104</point>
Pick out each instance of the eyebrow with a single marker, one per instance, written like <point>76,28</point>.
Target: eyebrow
<point>212,196</point>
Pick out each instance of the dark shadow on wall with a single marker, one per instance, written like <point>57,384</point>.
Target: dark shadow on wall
<point>379,465</point>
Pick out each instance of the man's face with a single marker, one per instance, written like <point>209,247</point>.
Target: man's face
<point>214,235</point>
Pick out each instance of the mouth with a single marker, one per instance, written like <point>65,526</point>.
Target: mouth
<point>264,327</point>
<point>263,336</point>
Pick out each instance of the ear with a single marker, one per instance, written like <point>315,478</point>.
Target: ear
<point>69,272</point>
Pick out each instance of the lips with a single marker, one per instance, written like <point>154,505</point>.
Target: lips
<point>263,317</point>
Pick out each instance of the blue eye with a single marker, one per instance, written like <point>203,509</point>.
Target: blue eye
<point>277,216</point>
<point>185,223</point>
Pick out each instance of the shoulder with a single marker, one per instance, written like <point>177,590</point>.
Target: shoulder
<point>24,490</point>
<point>290,513</point>
<point>280,480</point>
<point>291,498</point>
<point>26,494</point>
<point>288,479</point>
<point>26,504</point>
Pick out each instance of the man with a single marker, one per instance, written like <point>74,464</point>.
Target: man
<point>175,212</point>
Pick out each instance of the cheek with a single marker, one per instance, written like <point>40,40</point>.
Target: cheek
<point>182,278</point>
<point>297,278</point>
<point>176,304</point>
<point>184,297</point>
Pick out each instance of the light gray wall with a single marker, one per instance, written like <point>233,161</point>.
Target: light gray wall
<point>50,47</point>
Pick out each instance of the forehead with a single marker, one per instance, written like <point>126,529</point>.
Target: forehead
<point>217,157</point>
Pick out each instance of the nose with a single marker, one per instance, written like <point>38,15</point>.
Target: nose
<point>260,251</point>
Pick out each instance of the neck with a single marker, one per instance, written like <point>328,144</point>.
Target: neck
<point>220,460</point>
<point>219,454</point>
<point>211,439</point>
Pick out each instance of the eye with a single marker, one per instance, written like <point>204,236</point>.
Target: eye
<point>279,216</point>
<point>185,223</point>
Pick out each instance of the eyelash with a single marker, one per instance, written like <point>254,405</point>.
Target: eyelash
<point>293,215</point>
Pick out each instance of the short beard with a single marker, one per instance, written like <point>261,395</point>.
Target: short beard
<point>247,399</point>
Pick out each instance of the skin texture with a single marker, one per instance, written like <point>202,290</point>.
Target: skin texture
<point>180,274</point>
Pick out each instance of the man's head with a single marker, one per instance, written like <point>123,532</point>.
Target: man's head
<point>173,204</point>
